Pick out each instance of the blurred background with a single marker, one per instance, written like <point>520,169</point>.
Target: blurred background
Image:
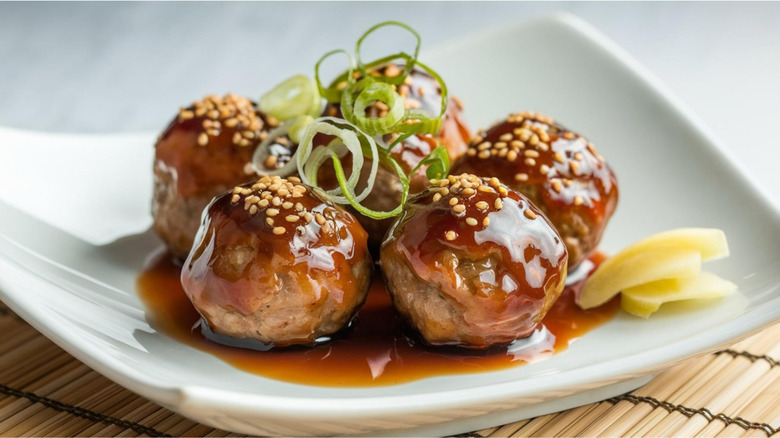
<point>126,67</point>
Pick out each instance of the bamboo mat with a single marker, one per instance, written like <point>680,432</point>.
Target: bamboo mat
<point>734,392</point>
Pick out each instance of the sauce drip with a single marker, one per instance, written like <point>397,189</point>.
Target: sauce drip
<point>377,351</point>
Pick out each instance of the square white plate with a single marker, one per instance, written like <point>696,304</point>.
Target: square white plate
<point>672,174</point>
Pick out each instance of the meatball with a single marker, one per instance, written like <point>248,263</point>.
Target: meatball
<point>471,262</point>
<point>420,91</point>
<point>273,262</point>
<point>559,170</point>
<point>206,150</point>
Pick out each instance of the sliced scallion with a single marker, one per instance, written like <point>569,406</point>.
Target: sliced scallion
<point>295,96</point>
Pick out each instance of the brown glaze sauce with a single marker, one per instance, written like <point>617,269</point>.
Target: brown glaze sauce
<point>376,351</point>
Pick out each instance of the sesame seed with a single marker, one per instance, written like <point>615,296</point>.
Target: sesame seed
<point>460,208</point>
<point>276,201</point>
<point>436,197</point>
<point>494,182</point>
<point>499,204</point>
<point>287,205</point>
<point>291,218</point>
<point>298,206</point>
<point>484,154</point>
<point>471,152</point>
<point>453,201</point>
<point>500,145</point>
<point>578,156</point>
<point>559,157</point>
<point>278,230</point>
<point>253,210</point>
<point>506,137</point>
<point>557,186</point>
<point>511,156</point>
<point>203,139</point>
<point>568,135</point>
<point>235,199</point>
<point>471,221</point>
<point>529,214</point>
<point>530,161</point>
<point>269,221</point>
<point>531,153</point>
<point>296,180</point>
<point>575,167</point>
<point>468,191</point>
<point>482,205</point>
<point>484,145</point>
<point>521,177</point>
<point>450,235</point>
<point>544,169</point>
<point>307,217</point>
<point>544,147</point>
<point>486,221</point>
<point>578,200</point>
<point>485,189</point>
<point>517,144</point>
<point>271,212</point>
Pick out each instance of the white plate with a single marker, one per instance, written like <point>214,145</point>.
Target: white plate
<point>671,172</point>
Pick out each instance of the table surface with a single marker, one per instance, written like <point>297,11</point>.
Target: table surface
<point>93,67</point>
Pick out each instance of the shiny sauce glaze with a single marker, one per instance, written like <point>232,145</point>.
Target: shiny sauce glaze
<point>485,248</point>
<point>377,350</point>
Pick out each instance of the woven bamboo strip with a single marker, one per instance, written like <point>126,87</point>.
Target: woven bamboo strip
<point>576,427</point>
<point>106,401</point>
<point>127,403</point>
<point>728,399</point>
<point>628,416</point>
<point>32,413</point>
<point>198,430</point>
<point>752,408</point>
<point>656,415</point>
<point>505,430</point>
<point>733,376</point>
<point>531,428</point>
<point>742,404</point>
<point>175,425</point>
<point>491,430</point>
<point>563,419</point>
<point>154,420</point>
<point>138,414</point>
<point>23,409</point>
<point>15,404</point>
<point>14,335</point>
<point>761,342</point>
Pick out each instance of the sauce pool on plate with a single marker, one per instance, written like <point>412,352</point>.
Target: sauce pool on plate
<point>377,350</point>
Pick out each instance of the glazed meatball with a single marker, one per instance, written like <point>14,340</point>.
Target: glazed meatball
<point>206,150</point>
<point>559,170</point>
<point>471,262</point>
<point>275,263</point>
<point>421,91</point>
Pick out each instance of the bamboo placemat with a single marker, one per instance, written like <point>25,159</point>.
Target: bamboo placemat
<point>733,392</point>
